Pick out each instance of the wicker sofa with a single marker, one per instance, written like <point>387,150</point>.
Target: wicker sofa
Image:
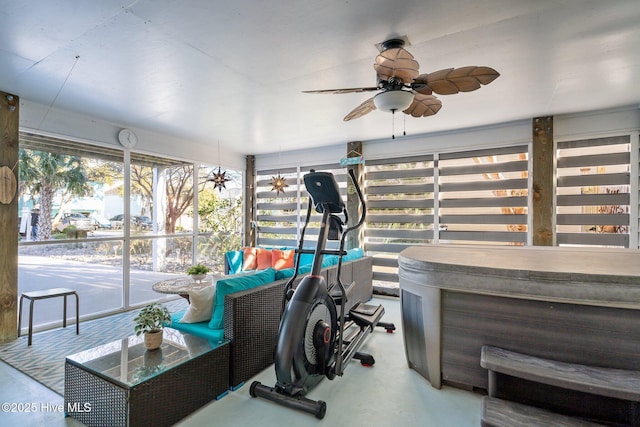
<point>251,317</point>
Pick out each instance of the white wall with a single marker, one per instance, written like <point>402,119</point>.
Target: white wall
<point>315,156</point>
<point>65,124</point>
<point>583,125</point>
<point>83,128</point>
<point>596,123</point>
<point>459,140</point>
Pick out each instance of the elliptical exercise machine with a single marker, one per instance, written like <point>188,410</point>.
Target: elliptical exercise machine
<point>317,338</point>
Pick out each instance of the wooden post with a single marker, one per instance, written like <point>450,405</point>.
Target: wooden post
<point>543,162</point>
<point>9,109</point>
<point>354,239</point>
<point>249,202</point>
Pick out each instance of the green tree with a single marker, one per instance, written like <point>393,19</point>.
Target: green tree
<point>178,190</point>
<point>45,174</point>
<point>222,217</point>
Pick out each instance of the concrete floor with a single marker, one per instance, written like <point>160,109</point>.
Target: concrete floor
<point>388,394</point>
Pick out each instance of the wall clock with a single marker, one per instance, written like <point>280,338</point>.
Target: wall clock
<point>127,138</point>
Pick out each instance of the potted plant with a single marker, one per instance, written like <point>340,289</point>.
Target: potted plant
<point>150,322</point>
<point>198,272</point>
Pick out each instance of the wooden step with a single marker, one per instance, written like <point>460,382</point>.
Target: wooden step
<point>502,413</point>
<point>616,383</point>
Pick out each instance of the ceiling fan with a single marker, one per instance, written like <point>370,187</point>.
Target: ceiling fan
<point>402,88</point>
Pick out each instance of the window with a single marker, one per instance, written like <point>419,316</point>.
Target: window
<point>74,186</point>
<point>399,211</point>
<point>90,244</point>
<point>473,197</point>
<point>593,192</point>
<point>219,217</point>
<point>280,217</point>
<point>277,214</point>
<point>483,196</point>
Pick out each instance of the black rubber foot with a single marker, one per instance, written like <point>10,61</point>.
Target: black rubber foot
<point>390,327</point>
<point>317,408</point>
<point>365,359</point>
<point>252,388</point>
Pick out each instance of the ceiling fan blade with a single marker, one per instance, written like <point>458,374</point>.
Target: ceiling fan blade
<point>453,80</point>
<point>365,108</point>
<point>423,106</point>
<point>398,63</point>
<point>339,91</point>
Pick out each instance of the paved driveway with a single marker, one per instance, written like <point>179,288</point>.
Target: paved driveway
<point>99,286</point>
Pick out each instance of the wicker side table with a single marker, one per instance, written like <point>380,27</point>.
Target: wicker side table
<point>123,384</point>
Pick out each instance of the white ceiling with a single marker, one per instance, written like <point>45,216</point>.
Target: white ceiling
<point>233,72</point>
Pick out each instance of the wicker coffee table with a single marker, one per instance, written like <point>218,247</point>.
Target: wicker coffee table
<point>122,384</point>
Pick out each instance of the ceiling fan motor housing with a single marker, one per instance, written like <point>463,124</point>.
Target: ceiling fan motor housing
<point>391,44</point>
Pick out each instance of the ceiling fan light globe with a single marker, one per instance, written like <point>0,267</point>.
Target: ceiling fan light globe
<point>393,100</point>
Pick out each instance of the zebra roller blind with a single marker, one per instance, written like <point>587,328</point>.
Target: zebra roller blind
<point>280,217</point>
<point>465,197</point>
<point>593,192</point>
<point>399,210</point>
<point>483,196</point>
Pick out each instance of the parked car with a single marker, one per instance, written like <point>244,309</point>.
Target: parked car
<point>100,222</point>
<point>142,222</point>
<point>117,221</point>
<point>78,220</point>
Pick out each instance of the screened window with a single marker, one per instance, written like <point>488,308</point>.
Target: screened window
<point>84,239</point>
<point>219,217</point>
<point>277,213</point>
<point>593,192</point>
<point>399,210</point>
<point>280,216</point>
<point>483,196</point>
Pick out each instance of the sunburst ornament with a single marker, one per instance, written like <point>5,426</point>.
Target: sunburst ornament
<point>278,184</point>
<point>219,180</point>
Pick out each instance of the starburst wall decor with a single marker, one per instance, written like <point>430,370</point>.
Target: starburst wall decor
<point>219,180</point>
<point>278,184</point>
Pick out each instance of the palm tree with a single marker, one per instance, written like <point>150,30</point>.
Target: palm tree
<point>45,173</point>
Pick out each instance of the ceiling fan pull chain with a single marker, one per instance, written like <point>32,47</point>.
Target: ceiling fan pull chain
<point>404,125</point>
<point>393,124</point>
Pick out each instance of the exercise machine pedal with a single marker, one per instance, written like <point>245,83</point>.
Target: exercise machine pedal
<point>366,314</point>
<point>336,293</point>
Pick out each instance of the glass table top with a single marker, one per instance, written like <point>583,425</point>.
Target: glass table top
<point>182,285</point>
<point>129,363</point>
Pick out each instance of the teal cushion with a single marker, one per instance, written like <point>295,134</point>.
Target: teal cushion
<point>329,260</point>
<point>284,273</point>
<point>234,259</point>
<point>200,329</point>
<point>288,272</point>
<point>233,285</point>
<point>354,253</point>
<point>305,259</point>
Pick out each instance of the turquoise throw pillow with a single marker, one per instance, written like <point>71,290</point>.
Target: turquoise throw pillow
<point>234,259</point>
<point>233,285</point>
